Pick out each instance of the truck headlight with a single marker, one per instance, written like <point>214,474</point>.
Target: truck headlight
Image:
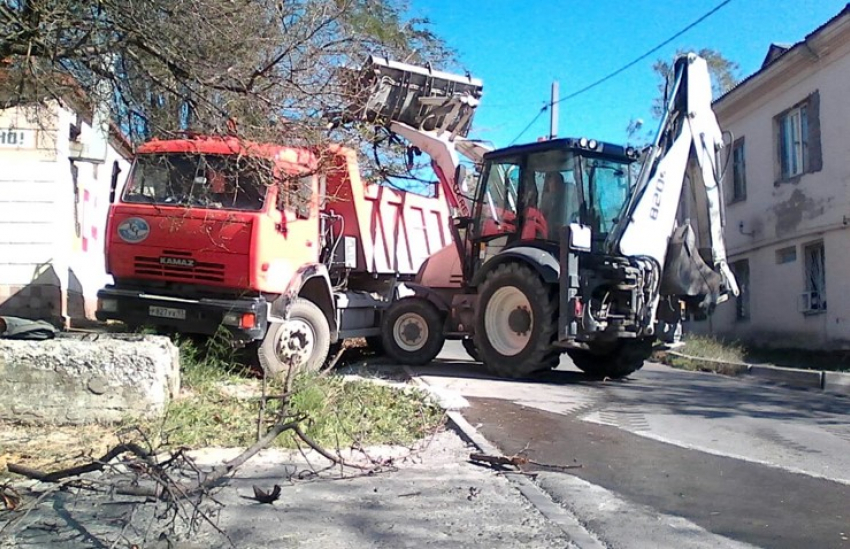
<point>240,320</point>
<point>108,305</point>
<point>232,319</point>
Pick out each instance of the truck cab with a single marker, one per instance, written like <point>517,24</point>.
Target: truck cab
<point>194,237</point>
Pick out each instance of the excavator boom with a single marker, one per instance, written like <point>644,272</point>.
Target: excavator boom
<point>675,217</point>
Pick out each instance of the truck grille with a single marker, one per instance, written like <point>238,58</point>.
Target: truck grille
<point>197,271</point>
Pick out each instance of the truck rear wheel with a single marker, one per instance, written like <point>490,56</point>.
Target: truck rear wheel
<point>515,322</point>
<point>412,331</point>
<point>302,342</point>
<point>612,361</point>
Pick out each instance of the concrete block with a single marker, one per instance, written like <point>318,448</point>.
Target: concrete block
<point>788,376</point>
<point>837,383</point>
<point>93,378</point>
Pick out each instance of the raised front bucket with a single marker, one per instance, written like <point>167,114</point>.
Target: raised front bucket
<point>419,97</point>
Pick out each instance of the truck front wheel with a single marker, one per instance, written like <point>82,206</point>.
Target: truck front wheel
<point>515,322</point>
<point>612,361</point>
<point>301,343</point>
<point>412,331</point>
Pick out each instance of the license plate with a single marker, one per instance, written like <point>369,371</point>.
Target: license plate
<point>165,312</point>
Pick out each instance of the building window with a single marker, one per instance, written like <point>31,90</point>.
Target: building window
<point>793,130</point>
<point>814,298</point>
<point>786,255</point>
<point>739,172</point>
<point>798,139</point>
<point>741,270</point>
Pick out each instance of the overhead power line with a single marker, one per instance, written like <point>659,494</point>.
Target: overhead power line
<point>624,67</point>
<point>645,55</point>
<point>528,127</point>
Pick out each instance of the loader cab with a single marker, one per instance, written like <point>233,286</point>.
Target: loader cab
<point>528,192</point>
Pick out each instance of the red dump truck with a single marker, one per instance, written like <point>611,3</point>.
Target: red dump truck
<point>198,239</point>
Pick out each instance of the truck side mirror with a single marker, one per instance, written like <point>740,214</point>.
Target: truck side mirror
<point>461,222</point>
<point>113,184</point>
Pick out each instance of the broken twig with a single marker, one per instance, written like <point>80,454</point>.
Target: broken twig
<point>518,461</point>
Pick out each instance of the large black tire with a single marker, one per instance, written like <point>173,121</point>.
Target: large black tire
<point>516,323</point>
<point>412,331</point>
<point>469,346</point>
<point>613,361</point>
<point>303,342</point>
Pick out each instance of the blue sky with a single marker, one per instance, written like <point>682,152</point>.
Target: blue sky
<point>518,47</point>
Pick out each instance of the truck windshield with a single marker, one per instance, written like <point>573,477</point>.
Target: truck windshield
<point>206,181</point>
<point>606,189</point>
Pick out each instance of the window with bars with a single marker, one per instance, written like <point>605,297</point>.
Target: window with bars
<point>815,277</point>
<point>741,270</point>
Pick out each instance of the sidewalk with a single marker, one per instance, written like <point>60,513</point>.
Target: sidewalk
<point>434,499</point>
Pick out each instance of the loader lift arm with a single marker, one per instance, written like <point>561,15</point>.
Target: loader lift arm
<point>432,110</point>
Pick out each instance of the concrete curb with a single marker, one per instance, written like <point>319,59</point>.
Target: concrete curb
<point>565,520</point>
<point>811,379</point>
<point>837,383</point>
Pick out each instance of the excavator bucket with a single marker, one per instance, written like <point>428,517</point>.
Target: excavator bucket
<point>422,98</point>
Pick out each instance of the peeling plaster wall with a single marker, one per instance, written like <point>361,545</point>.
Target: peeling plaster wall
<point>808,208</point>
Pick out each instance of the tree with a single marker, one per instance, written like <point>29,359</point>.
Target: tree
<point>276,67</point>
<point>723,72</point>
<point>724,77</point>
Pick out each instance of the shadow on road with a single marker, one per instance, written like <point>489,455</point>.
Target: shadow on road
<point>715,396</point>
<point>673,391</point>
<point>459,369</point>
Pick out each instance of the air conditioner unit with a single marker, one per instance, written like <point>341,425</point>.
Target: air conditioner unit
<point>811,301</point>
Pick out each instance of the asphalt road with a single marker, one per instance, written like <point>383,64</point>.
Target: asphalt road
<point>710,459</point>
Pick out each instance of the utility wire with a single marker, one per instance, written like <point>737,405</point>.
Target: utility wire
<point>645,55</point>
<point>624,67</point>
<point>533,120</point>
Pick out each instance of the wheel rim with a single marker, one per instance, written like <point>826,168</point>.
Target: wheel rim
<point>295,342</point>
<point>508,321</point>
<point>410,332</point>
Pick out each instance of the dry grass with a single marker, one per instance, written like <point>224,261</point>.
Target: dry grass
<point>53,447</point>
<point>706,354</point>
<point>712,354</point>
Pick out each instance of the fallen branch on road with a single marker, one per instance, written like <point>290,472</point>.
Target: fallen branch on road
<point>518,461</point>
<point>156,470</point>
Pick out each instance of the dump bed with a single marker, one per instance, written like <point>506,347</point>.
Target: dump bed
<point>395,231</point>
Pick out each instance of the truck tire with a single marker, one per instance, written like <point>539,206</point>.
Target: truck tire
<point>412,331</point>
<point>613,362</point>
<point>303,342</point>
<point>469,346</point>
<point>515,323</point>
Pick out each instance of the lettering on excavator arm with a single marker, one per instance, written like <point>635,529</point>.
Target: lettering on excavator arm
<point>656,196</point>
